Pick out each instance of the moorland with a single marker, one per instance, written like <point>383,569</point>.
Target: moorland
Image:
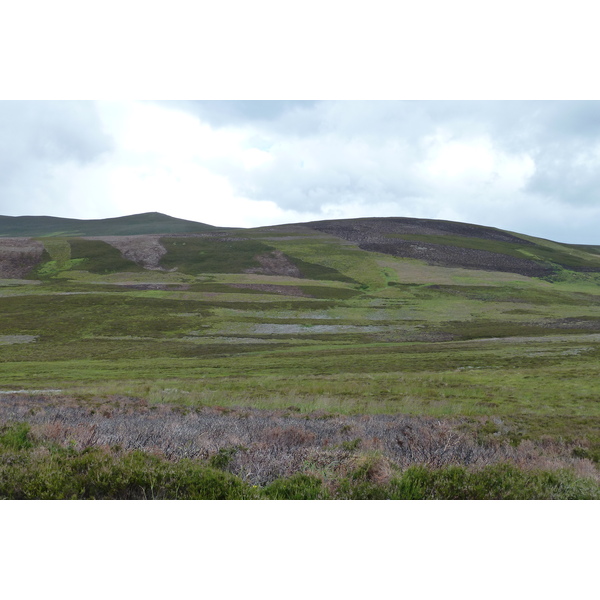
<point>149,357</point>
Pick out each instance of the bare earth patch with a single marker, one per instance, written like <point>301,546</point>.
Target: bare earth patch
<point>286,290</point>
<point>275,263</point>
<point>172,287</point>
<point>5,340</point>
<point>18,256</point>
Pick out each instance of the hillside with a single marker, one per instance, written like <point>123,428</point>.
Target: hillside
<point>451,244</point>
<point>145,223</point>
<point>344,352</point>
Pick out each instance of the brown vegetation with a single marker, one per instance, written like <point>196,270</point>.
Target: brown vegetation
<point>18,256</point>
<point>375,235</point>
<point>145,250</point>
<point>262,446</point>
<point>275,263</point>
<point>375,229</point>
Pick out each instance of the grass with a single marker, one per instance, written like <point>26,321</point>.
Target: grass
<point>552,253</point>
<point>94,256</point>
<point>100,257</point>
<point>211,255</point>
<point>462,380</point>
<point>517,358</point>
<point>348,261</point>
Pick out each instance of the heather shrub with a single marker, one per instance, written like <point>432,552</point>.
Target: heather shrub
<point>16,436</point>
<point>223,458</point>
<point>592,454</point>
<point>361,490</point>
<point>296,487</point>
<point>97,474</point>
<point>69,451</point>
<point>496,482</point>
<point>367,480</point>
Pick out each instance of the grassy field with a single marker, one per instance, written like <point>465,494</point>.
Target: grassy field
<point>312,327</point>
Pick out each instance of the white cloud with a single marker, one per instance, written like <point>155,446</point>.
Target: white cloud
<point>529,167</point>
<point>159,164</point>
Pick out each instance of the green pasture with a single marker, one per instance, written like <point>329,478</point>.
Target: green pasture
<point>359,332</point>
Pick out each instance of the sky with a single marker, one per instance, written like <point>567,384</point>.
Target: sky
<point>527,166</point>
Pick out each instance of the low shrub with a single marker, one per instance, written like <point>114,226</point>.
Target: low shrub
<point>496,482</point>
<point>16,436</point>
<point>97,474</point>
<point>36,468</point>
<point>296,487</point>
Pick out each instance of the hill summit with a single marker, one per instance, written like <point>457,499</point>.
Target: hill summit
<point>144,223</point>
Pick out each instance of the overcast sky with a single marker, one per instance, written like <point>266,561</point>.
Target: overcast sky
<point>527,166</point>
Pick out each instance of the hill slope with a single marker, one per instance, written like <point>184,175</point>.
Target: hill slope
<point>349,250</point>
<point>145,223</point>
<point>467,345</point>
<point>450,244</point>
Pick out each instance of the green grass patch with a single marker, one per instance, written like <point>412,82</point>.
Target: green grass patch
<point>348,261</point>
<point>211,255</point>
<point>555,253</point>
<point>99,257</point>
<point>61,256</point>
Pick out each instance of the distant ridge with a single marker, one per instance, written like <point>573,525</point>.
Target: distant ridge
<point>282,249</point>
<point>144,223</point>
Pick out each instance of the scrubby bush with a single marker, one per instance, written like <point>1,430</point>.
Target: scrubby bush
<point>16,436</point>
<point>296,487</point>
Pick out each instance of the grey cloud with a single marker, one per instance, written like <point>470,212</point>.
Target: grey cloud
<point>568,177</point>
<point>561,138</point>
<point>565,145</point>
<point>523,125</point>
<point>314,174</point>
<point>516,125</point>
<point>222,113</point>
<point>52,130</point>
<point>572,120</point>
<point>34,137</point>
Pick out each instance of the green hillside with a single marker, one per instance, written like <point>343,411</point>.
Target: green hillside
<point>145,223</point>
<point>361,358</point>
<point>451,244</point>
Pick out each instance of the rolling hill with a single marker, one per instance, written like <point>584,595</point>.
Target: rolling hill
<point>391,342</point>
<point>145,223</point>
<point>440,243</point>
